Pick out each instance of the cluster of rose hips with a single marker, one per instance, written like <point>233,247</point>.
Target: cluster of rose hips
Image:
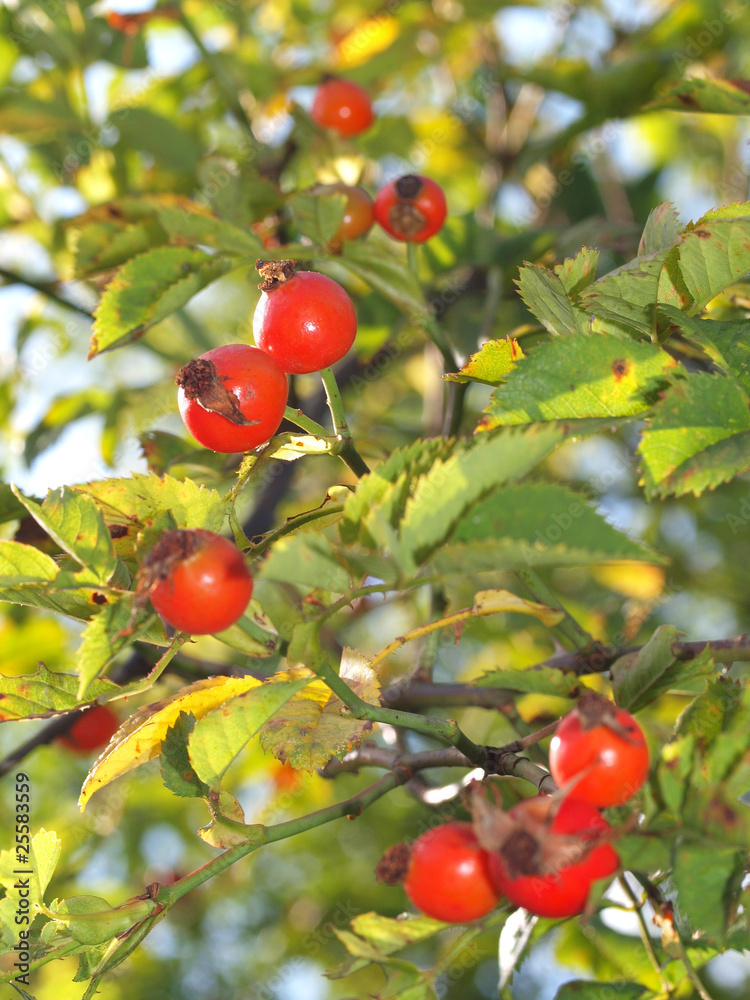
<point>546,851</point>
<point>233,398</point>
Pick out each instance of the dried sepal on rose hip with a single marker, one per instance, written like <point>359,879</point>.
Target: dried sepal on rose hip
<point>412,208</point>
<point>444,872</point>
<point>304,320</point>
<point>545,852</point>
<point>599,752</point>
<point>198,581</point>
<point>232,398</point>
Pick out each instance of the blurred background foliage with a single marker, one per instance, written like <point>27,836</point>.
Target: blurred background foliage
<point>535,118</point>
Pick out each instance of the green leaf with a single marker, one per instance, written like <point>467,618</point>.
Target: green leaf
<point>696,438</point>
<point>177,772</point>
<point>444,494</point>
<point>661,231</point>
<point>640,678</point>
<point>542,680</point>
<point>389,934</point>
<point>142,496</point>
<point>703,874</point>
<point>108,235</point>
<point>705,716</point>
<point>576,273</point>
<point>148,289</point>
<point>308,561</point>
<point>220,736</point>
<point>35,119</point>
<point>581,376</point>
<point>103,640</point>
<point>10,507</point>
<point>45,693</point>
<point>585,989</point>
<point>490,364</point>
<point>20,564</point>
<point>709,96</point>
<point>74,522</point>
<point>187,224</point>
<point>726,343</point>
<point>713,254</point>
<point>171,146</point>
<point>545,296</point>
<point>36,868</point>
<point>385,271</point>
<point>318,216</point>
<point>627,297</point>
<point>547,516</point>
<point>381,495</point>
<point>252,634</point>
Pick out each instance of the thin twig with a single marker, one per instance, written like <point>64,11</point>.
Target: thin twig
<point>46,288</point>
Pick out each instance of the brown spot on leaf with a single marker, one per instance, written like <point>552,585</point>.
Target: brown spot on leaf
<point>701,234</point>
<point>620,368</point>
<point>688,100</point>
<point>98,598</point>
<point>118,530</point>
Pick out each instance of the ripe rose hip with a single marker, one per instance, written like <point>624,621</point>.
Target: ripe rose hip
<point>444,873</point>
<point>600,749</point>
<point>304,320</point>
<point>357,218</point>
<point>93,729</point>
<point>232,398</point>
<point>411,208</point>
<point>342,106</point>
<point>198,581</point>
<point>552,854</point>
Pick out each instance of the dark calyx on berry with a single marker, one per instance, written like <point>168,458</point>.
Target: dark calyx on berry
<point>274,273</point>
<point>394,865</point>
<point>199,381</point>
<point>408,186</point>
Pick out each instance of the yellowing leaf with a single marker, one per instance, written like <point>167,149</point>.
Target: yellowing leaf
<point>490,602</point>
<point>633,579</point>
<point>366,40</point>
<point>315,725</point>
<point>140,738</point>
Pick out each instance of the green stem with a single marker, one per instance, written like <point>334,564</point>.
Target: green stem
<point>412,259</point>
<point>296,416</point>
<point>643,929</point>
<point>168,895</point>
<point>225,83</point>
<point>446,730</point>
<point>568,627</point>
<point>292,525</point>
<point>45,288</point>
<point>346,450</point>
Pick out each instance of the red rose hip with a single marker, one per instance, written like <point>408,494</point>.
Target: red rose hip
<point>232,398</point>
<point>444,873</point>
<point>304,320</point>
<point>600,750</point>
<point>92,729</point>
<point>198,581</point>
<point>411,208</point>
<point>343,106</point>
<point>554,853</point>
